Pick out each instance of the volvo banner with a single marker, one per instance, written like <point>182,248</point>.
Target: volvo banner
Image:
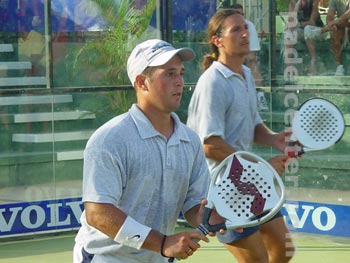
<point>61,215</point>
<point>43,216</point>
<point>317,218</point>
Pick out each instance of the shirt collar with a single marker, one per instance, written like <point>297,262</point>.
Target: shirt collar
<point>227,72</point>
<point>146,129</point>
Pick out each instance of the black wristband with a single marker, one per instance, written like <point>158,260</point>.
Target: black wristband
<point>162,246</point>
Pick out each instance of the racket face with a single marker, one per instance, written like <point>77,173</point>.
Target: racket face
<point>243,191</point>
<point>318,124</point>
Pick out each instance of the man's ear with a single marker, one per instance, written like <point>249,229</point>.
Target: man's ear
<point>140,82</point>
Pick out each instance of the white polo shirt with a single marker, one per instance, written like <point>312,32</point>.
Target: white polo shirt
<point>131,165</point>
<point>224,104</point>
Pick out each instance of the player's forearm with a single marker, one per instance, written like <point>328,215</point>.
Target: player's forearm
<point>217,148</point>
<point>105,217</point>
<point>330,16</point>
<point>111,221</point>
<point>264,136</point>
<point>343,18</point>
<point>153,241</point>
<point>192,216</point>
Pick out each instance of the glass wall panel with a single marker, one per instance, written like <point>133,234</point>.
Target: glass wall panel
<point>91,40</point>
<point>23,48</point>
<point>41,159</point>
<point>189,23</point>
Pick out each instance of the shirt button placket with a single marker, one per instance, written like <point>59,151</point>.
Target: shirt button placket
<point>168,158</point>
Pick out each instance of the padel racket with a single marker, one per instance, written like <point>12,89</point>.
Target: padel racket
<point>245,190</point>
<point>317,125</point>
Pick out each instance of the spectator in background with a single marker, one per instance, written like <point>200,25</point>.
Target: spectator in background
<point>61,20</point>
<point>33,9</point>
<point>338,27</point>
<point>309,27</point>
<point>31,45</point>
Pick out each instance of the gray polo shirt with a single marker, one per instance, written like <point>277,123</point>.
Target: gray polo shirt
<point>131,165</point>
<point>340,6</point>
<point>224,104</point>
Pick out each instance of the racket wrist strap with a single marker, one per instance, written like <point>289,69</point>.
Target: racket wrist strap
<point>132,233</point>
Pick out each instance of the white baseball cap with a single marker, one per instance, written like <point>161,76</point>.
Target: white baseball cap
<point>152,53</point>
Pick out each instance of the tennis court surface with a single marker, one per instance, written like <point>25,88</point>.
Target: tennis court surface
<point>58,249</point>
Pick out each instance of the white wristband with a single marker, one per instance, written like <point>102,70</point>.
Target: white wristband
<point>132,233</point>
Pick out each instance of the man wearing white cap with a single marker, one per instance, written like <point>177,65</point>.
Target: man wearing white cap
<point>142,168</point>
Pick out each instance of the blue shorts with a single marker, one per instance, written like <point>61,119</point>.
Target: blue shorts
<point>232,235</point>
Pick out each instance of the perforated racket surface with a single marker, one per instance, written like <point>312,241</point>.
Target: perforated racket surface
<point>317,125</point>
<point>245,190</point>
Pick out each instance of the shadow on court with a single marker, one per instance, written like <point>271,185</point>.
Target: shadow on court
<point>58,249</point>
<point>38,249</point>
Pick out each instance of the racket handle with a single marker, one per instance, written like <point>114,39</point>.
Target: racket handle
<point>172,259</point>
<point>200,229</point>
<point>294,150</point>
<point>206,227</point>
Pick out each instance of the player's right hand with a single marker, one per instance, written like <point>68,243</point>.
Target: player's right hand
<point>183,244</point>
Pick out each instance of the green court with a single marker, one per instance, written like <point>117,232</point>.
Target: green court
<point>58,249</point>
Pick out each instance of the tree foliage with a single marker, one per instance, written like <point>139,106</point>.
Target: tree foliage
<point>106,55</point>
